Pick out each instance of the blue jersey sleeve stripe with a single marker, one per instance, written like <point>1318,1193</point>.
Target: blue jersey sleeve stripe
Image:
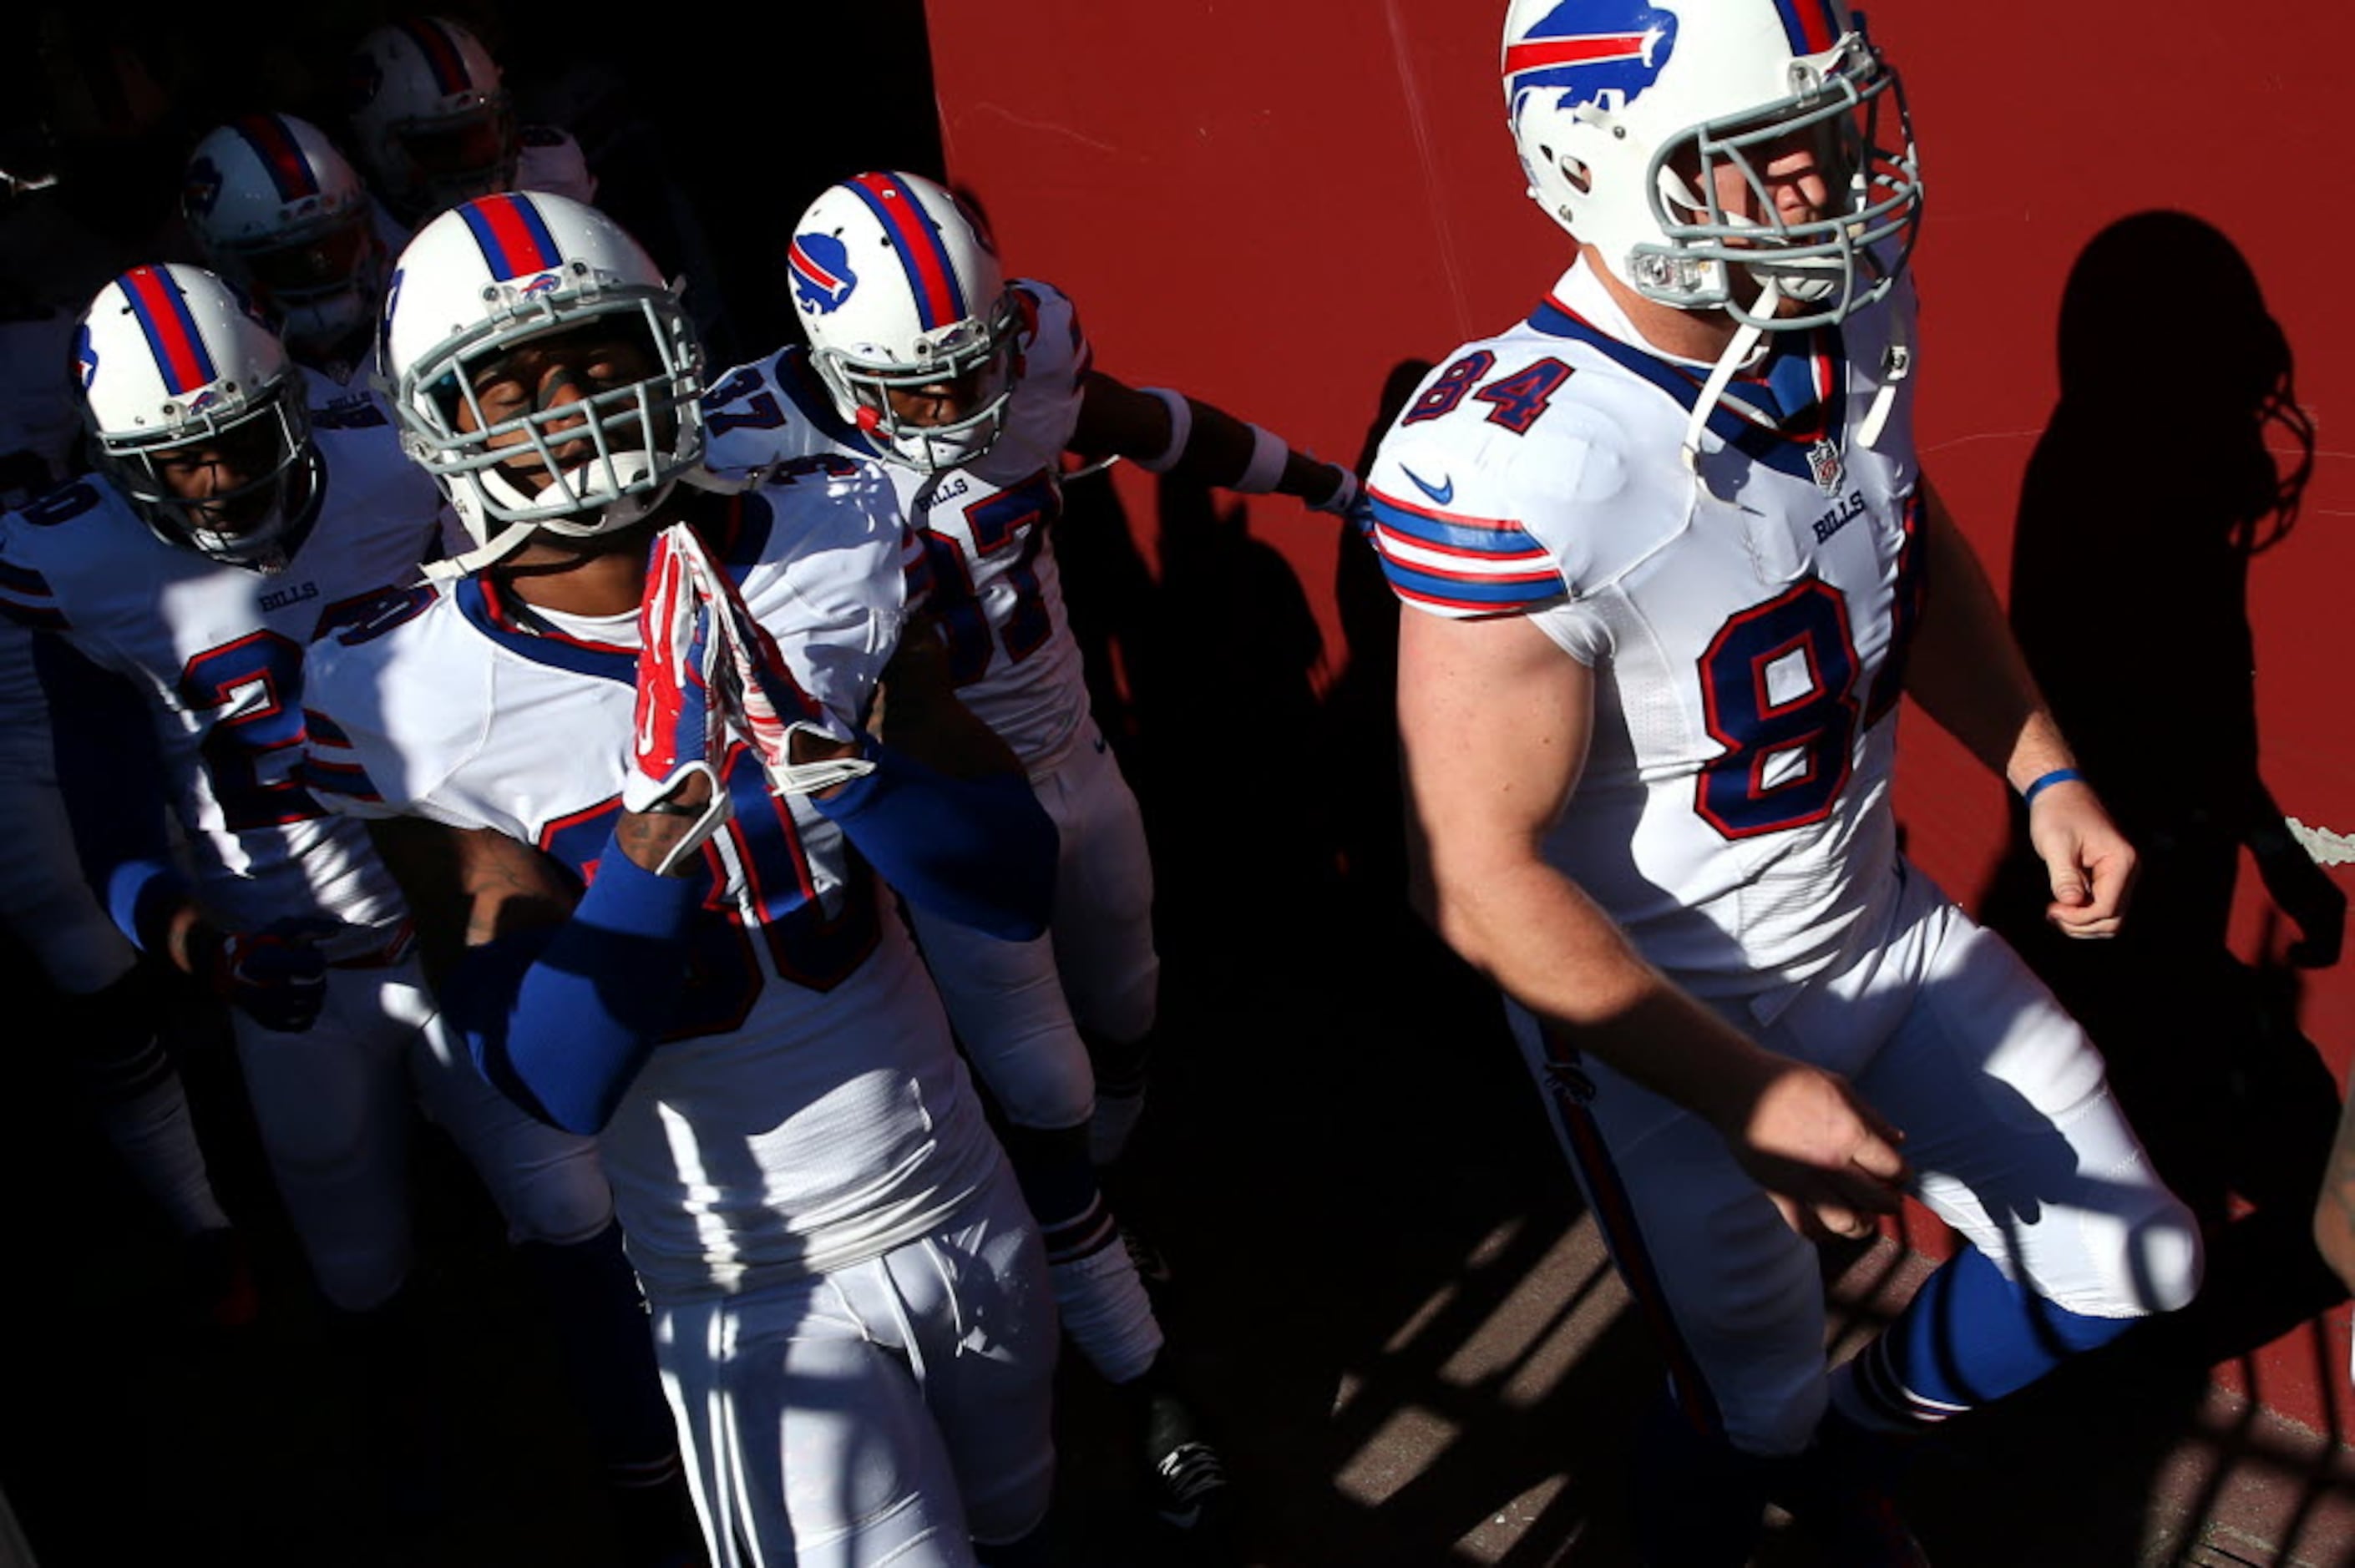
<point>1494,539</point>
<point>1469,562</point>
<point>1484,595</point>
<point>1442,570</point>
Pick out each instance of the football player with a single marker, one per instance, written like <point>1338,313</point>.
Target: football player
<point>102,1003</point>
<point>433,125</point>
<point>176,588</point>
<point>647,937</point>
<point>969,389</point>
<point>1668,559</point>
<point>277,211</point>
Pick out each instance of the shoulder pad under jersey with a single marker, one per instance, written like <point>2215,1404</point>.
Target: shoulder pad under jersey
<point>1050,369</point>
<point>58,543</point>
<point>1508,482</point>
<point>771,420</point>
<point>391,705</point>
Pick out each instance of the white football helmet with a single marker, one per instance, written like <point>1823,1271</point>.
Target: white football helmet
<point>430,117</point>
<point>280,213</point>
<point>1625,111</point>
<point>484,278</point>
<point>170,359</point>
<point>900,287</point>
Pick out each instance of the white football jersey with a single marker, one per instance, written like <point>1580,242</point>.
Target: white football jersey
<point>993,587</point>
<point>1745,625</point>
<point>808,1110</point>
<point>216,651</point>
<point>371,466</point>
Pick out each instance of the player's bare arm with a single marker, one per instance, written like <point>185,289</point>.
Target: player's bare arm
<point>918,713</point>
<point>2334,1209</point>
<point>1968,672</point>
<point>1495,721</point>
<point>467,888</point>
<point>1216,448</point>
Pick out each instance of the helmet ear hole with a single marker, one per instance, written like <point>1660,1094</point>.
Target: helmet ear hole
<point>1574,174</point>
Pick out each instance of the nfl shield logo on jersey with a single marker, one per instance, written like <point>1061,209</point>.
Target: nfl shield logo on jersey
<point>1824,464</point>
<point>822,274</point>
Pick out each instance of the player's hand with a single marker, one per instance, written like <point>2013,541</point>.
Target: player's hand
<point>2090,862</point>
<point>672,792</point>
<point>803,749</point>
<point>1828,1161</point>
<point>276,976</point>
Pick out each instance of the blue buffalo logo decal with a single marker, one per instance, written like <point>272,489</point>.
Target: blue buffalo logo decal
<point>1606,55</point>
<point>545,283</point>
<point>821,276</point>
<point>85,359</point>
<point>201,187</point>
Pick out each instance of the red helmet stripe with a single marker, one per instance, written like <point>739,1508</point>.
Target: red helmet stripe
<point>441,56</point>
<point>939,300</point>
<point>514,237</point>
<point>1810,25</point>
<point>275,145</point>
<point>171,336</point>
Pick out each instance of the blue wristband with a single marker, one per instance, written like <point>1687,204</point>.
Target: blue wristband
<point>2058,775</point>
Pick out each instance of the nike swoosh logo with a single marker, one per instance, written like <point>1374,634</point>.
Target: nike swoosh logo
<point>1440,493</point>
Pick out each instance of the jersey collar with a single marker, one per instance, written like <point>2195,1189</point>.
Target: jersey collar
<point>1778,412</point>
<point>737,527</point>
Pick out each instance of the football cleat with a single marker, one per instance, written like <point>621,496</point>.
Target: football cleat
<point>1188,1480</point>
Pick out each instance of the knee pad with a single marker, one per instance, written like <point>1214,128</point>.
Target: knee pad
<point>2164,1258</point>
<point>1005,1519</point>
<point>2144,1247</point>
<point>359,1274</point>
<point>1041,1080</point>
<point>110,1035</point>
<point>561,1201</point>
<point>1117,1007</point>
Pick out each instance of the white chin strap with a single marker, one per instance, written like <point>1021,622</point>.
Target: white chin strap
<point>610,517</point>
<point>490,553</point>
<point>1895,365</point>
<point>1737,353</point>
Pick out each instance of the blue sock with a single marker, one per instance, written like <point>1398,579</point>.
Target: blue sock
<point>1968,1336</point>
<point>606,1350</point>
<point>1058,1183</point>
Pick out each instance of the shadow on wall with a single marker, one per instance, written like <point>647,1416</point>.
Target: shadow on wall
<point>2172,459</point>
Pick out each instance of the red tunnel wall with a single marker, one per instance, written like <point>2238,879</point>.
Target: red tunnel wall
<point>1269,205</point>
